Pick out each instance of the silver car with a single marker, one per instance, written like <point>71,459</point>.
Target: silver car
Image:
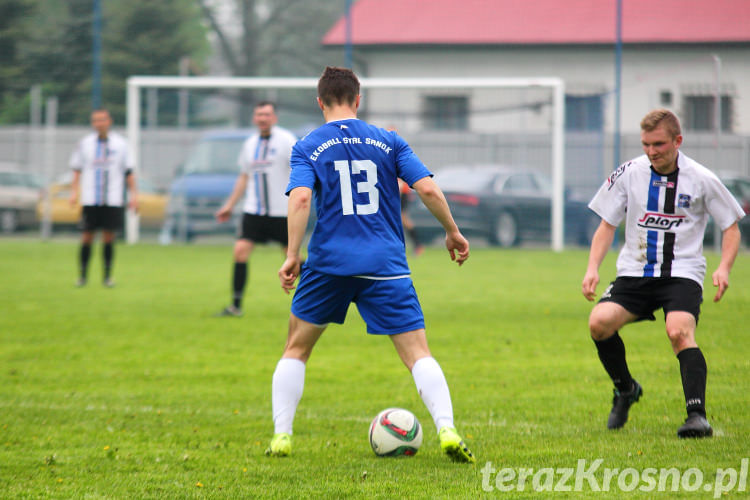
<point>19,194</point>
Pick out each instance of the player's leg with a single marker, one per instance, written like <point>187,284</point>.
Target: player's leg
<point>433,388</point>
<point>681,332</point>
<point>681,299</point>
<point>242,250</point>
<point>289,381</point>
<point>108,254</point>
<point>84,256</point>
<point>605,321</point>
<point>243,247</point>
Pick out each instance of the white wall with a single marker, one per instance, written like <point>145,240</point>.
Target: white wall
<point>645,73</point>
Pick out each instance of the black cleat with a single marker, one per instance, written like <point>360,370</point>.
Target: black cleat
<point>621,403</point>
<point>695,426</point>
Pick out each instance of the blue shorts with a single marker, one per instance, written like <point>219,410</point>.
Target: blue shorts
<point>388,306</point>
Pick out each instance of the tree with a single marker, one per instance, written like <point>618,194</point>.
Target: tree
<point>138,37</point>
<point>14,15</point>
<point>276,38</point>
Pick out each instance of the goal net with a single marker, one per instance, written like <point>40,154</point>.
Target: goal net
<point>451,123</point>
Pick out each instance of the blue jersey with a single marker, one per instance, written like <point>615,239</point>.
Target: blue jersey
<point>353,169</point>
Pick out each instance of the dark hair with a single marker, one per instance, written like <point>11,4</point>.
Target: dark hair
<point>338,86</point>
<point>260,104</point>
<point>661,117</point>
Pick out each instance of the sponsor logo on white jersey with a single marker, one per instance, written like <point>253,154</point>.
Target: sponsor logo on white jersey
<point>662,222</point>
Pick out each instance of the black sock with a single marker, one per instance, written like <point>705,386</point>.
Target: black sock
<point>83,259</point>
<point>414,236</point>
<point>109,253</point>
<point>238,283</point>
<point>693,370</point>
<point>612,355</point>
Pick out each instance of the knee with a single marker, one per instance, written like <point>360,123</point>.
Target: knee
<point>599,328</point>
<point>680,337</point>
<point>242,251</point>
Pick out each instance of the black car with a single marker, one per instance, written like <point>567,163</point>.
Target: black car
<point>505,205</point>
<point>739,186</point>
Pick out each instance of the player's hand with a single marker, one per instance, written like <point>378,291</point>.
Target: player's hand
<point>588,287</point>
<point>458,247</point>
<point>289,273</point>
<point>721,280</point>
<point>73,199</point>
<point>223,214</point>
<point>133,203</point>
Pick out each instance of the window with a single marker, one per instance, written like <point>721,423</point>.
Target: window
<point>584,112</point>
<point>665,97</point>
<point>700,111</point>
<point>446,112</point>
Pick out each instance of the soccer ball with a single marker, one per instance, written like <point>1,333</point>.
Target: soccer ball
<point>395,432</point>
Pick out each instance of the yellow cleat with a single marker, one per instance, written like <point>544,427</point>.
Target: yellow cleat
<point>281,445</point>
<point>454,446</point>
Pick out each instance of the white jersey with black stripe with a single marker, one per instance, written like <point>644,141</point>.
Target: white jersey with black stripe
<point>665,216</point>
<point>265,160</point>
<point>103,164</point>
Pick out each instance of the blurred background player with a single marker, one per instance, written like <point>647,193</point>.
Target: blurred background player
<point>101,166</point>
<point>404,191</point>
<point>665,198</point>
<point>264,164</point>
<point>357,254</point>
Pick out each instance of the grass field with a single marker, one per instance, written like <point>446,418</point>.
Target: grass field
<point>138,392</point>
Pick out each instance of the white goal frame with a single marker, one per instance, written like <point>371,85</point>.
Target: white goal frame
<point>136,83</point>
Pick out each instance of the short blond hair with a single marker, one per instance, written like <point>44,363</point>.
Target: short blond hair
<point>662,117</point>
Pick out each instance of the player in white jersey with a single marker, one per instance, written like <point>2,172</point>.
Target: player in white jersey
<point>357,253</point>
<point>264,173</point>
<point>101,167</point>
<point>665,199</point>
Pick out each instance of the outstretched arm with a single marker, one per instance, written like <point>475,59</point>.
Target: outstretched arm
<point>299,211</point>
<point>434,199</point>
<point>730,245</point>
<point>600,243</point>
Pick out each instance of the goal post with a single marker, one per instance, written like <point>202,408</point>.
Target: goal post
<point>556,86</point>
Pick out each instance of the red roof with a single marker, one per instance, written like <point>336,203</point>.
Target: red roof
<point>493,22</point>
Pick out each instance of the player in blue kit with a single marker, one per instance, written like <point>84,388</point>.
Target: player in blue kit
<point>357,253</point>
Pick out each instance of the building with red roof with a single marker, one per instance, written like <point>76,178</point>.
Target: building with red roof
<point>676,53</point>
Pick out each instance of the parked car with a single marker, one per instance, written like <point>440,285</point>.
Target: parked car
<point>19,193</point>
<point>506,205</point>
<point>739,186</point>
<point>203,183</point>
<point>152,203</point>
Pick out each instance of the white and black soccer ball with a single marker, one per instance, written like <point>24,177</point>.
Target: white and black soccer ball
<point>395,432</point>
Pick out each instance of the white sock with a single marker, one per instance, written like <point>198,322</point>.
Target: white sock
<point>286,391</point>
<point>433,388</point>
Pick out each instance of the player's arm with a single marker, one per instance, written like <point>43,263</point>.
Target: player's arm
<point>225,212</point>
<point>300,199</point>
<point>600,244</point>
<point>434,199</point>
<point>75,186</point>
<point>730,245</point>
<point>132,190</point>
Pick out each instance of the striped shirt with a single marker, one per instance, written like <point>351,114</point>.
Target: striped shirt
<point>265,160</point>
<point>665,216</point>
<point>103,164</point>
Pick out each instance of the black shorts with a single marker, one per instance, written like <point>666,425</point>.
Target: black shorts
<point>95,217</point>
<point>263,228</point>
<point>643,296</point>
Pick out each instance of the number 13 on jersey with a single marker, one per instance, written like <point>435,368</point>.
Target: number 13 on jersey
<point>358,167</point>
